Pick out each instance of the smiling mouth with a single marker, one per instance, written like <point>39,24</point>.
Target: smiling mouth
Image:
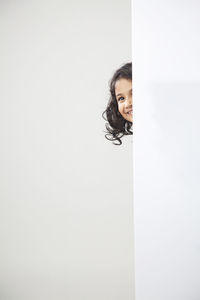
<point>130,112</point>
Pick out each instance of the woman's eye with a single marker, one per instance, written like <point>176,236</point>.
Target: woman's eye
<point>121,98</point>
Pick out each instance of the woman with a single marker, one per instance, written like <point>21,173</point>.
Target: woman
<point>119,111</point>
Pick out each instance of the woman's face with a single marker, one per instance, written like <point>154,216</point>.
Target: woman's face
<point>123,93</point>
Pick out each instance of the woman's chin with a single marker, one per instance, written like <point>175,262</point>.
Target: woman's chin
<point>129,118</point>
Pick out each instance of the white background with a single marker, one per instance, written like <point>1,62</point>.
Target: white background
<point>166,149</point>
<point>66,227</point>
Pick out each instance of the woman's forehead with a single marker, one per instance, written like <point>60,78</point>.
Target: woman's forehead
<point>123,84</point>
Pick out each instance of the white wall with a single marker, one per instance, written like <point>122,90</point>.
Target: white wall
<point>65,191</point>
<point>166,149</point>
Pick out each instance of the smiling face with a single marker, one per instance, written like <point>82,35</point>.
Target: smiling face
<point>123,94</point>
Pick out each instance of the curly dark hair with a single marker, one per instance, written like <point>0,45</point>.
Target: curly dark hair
<point>117,126</point>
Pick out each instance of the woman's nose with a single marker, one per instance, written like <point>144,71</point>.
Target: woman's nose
<point>128,101</point>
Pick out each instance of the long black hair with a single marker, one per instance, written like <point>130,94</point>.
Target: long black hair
<point>117,126</point>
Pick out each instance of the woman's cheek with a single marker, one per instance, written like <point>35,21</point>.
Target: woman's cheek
<point>120,107</point>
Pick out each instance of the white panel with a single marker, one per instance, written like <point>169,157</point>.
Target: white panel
<point>166,149</point>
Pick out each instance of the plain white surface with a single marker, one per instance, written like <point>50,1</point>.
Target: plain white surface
<point>65,191</point>
<point>166,150</point>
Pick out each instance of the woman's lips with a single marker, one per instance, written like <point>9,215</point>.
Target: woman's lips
<point>130,112</point>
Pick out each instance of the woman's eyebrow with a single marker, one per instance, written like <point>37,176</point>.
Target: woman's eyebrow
<point>122,94</point>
